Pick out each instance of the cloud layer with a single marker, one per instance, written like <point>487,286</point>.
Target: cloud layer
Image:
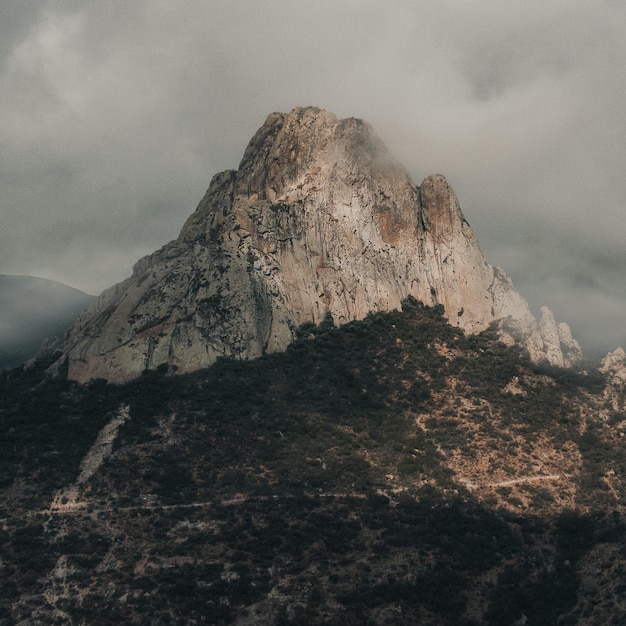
<point>114,117</point>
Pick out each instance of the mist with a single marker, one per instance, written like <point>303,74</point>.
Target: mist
<point>33,310</point>
<point>114,118</point>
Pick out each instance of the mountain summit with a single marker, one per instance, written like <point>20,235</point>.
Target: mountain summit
<point>318,220</point>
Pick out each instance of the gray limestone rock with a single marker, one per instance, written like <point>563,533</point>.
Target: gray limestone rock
<point>613,366</point>
<point>318,219</point>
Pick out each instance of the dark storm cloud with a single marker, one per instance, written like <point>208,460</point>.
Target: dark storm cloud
<point>114,117</point>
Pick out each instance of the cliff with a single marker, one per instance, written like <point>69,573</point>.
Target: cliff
<point>319,219</point>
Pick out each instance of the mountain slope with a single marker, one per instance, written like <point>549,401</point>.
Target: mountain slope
<point>391,471</point>
<point>318,220</point>
<point>31,311</point>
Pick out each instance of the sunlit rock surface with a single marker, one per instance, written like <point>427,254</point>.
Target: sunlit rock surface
<point>318,219</point>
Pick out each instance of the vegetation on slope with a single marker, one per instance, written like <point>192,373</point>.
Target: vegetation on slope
<point>391,471</point>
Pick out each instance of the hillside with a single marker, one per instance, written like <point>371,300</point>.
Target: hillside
<point>31,311</point>
<point>391,471</point>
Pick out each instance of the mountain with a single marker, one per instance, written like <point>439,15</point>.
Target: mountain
<point>367,425</point>
<point>394,470</point>
<point>33,310</point>
<point>318,221</point>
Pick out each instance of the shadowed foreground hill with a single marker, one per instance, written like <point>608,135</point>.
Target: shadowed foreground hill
<point>392,471</point>
<point>31,311</point>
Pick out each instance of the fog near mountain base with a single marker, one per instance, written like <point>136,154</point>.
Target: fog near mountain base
<point>33,310</point>
<point>115,116</point>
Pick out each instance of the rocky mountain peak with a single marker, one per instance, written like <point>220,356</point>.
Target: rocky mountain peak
<point>319,219</point>
<point>441,212</point>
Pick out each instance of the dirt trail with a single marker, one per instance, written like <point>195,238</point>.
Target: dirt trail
<point>77,507</point>
<point>524,479</point>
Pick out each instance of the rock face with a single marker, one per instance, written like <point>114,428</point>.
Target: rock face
<point>318,219</point>
<point>613,366</point>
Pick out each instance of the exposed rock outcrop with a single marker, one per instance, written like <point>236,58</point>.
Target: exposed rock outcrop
<point>553,342</point>
<point>317,219</point>
<point>613,366</point>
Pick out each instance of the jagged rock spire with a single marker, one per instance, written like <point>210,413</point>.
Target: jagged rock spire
<point>318,219</point>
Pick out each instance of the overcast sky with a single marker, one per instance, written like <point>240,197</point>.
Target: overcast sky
<point>115,115</point>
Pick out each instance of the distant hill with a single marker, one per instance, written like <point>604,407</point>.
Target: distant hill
<point>32,310</point>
